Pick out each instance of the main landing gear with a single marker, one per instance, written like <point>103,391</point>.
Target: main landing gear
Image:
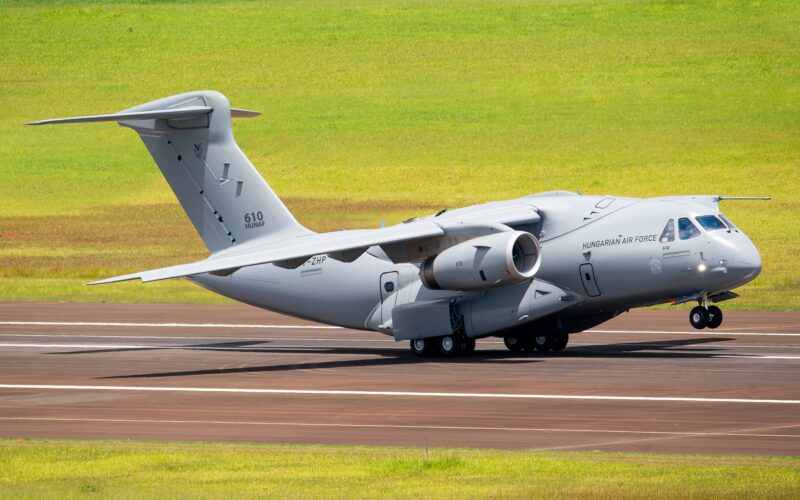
<point>541,343</point>
<point>705,317</point>
<point>447,346</point>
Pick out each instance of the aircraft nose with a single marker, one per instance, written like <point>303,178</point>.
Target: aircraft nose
<point>748,262</point>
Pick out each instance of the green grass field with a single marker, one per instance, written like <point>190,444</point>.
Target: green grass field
<point>68,469</point>
<point>381,110</point>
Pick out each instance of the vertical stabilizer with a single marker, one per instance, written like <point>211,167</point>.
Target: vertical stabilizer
<point>225,197</point>
<point>191,139</point>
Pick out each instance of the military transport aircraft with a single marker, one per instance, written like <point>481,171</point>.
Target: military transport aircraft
<point>531,270</point>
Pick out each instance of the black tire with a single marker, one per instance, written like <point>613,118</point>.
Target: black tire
<point>467,345</point>
<point>715,316</point>
<point>449,346</point>
<point>560,342</point>
<point>542,343</point>
<point>699,317</point>
<point>423,347</point>
<point>514,343</point>
<point>528,345</point>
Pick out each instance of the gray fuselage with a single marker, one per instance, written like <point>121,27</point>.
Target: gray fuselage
<point>608,251</point>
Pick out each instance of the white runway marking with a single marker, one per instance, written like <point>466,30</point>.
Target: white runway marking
<point>734,432</point>
<point>315,392</point>
<point>746,356</point>
<point>381,339</point>
<point>327,327</point>
<point>700,332</point>
<point>161,347</point>
<point>200,337</point>
<point>166,325</point>
<point>740,432</point>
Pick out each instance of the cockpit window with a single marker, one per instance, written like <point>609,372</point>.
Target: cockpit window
<point>668,234</point>
<point>710,223</point>
<point>687,230</point>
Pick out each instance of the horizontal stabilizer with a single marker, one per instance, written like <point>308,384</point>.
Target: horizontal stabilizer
<point>243,113</point>
<point>168,114</point>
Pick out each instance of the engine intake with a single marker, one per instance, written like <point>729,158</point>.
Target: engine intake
<point>491,261</point>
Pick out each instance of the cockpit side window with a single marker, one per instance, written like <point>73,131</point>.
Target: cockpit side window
<point>710,223</point>
<point>668,234</point>
<point>687,230</point>
<point>728,222</point>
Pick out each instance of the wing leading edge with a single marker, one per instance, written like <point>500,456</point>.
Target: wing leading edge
<point>294,251</point>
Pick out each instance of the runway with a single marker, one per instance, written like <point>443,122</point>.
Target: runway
<point>643,382</point>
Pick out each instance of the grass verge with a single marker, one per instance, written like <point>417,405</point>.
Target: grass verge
<point>66,469</point>
<point>394,103</point>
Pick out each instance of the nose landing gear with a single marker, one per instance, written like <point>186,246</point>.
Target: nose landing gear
<point>699,317</point>
<point>716,316</point>
<point>705,317</point>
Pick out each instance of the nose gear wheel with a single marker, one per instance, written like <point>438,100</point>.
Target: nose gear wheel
<point>715,317</point>
<point>699,317</point>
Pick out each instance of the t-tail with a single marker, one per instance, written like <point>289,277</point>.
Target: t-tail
<point>191,139</point>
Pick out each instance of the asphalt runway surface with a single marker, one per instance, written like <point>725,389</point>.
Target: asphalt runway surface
<point>645,381</point>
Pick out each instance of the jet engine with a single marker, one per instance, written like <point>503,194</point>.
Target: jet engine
<point>486,262</point>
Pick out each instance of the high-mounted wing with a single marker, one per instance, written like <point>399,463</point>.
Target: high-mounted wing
<point>413,240</point>
<point>291,252</point>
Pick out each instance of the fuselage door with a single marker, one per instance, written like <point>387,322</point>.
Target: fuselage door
<point>589,282</point>
<point>390,282</point>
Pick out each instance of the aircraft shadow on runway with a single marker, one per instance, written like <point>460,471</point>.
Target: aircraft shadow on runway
<point>668,349</point>
<point>384,357</point>
<point>239,346</point>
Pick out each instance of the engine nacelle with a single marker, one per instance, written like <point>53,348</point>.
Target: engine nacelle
<point>486,262</point>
